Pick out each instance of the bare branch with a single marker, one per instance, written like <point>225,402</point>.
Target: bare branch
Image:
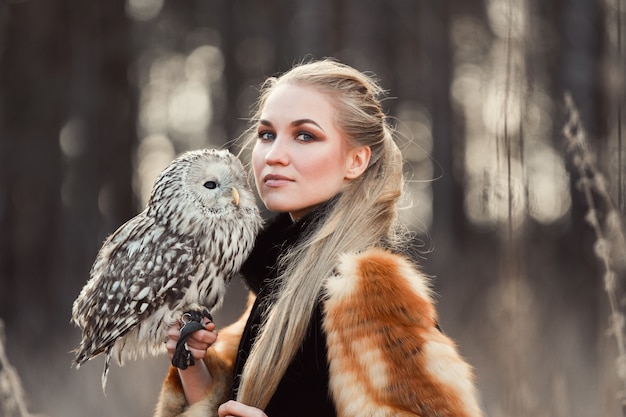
<point>605,220</point>
<point>12,398</point>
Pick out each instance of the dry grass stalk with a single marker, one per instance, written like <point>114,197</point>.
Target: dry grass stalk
<point>12,398</point>
<point>605,219</point>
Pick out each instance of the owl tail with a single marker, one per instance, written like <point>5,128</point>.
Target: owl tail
<point>105,371</point>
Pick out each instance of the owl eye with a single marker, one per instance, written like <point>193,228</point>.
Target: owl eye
<point>211,185</point>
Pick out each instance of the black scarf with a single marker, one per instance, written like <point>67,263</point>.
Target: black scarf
<point>304,387</point>
<point>280,234</point>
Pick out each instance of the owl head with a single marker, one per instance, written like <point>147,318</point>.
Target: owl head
<point>200,186</point>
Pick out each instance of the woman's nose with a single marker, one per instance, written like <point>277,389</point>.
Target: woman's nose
<point>277,154</point>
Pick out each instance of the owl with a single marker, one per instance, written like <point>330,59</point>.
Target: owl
<point>171,262</point>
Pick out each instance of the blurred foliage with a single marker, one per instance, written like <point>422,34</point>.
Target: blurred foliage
<point>97,97</point>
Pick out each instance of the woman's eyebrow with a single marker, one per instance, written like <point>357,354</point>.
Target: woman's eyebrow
<point>295,123</point>
<point>300,122</point>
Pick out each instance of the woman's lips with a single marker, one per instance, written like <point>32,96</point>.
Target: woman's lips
<point>273,180</point>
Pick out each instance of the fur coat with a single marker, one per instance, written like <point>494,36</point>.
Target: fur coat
<point>386,355</point>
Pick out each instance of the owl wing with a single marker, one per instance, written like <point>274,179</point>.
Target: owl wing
<point>140,268</point>
<point>100,282</point>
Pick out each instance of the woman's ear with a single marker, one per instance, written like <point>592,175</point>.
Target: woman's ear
<point>358,160</point>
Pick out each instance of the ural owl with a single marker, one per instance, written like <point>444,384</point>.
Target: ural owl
<point>172,259</point>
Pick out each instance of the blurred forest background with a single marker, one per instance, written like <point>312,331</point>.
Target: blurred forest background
<point>97,97</point>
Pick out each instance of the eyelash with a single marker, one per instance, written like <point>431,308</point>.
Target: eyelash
<point>311,137</point>
<point>263,133</point>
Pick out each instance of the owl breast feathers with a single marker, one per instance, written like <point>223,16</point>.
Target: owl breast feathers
<point>176,255</point>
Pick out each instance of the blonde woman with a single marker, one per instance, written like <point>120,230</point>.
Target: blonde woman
<point>340,323</point>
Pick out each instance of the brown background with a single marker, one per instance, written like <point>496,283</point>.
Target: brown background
<point>96,97</point>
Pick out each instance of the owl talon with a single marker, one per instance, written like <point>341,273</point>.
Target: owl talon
<point>191,322</point>
<point>194,317</point>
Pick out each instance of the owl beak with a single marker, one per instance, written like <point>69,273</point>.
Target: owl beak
<point>235,197</point>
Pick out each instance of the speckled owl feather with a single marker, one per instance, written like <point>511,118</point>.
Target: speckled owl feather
<point>175,256</point>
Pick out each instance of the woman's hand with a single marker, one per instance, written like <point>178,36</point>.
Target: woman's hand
<point>236,409</point>
<point>198,342</point>
<point>196,379</point>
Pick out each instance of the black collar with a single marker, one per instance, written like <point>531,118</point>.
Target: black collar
<point>278,235</point>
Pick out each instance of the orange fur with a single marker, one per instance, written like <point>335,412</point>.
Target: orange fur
<point>386,356</point>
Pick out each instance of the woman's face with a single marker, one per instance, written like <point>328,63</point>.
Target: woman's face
<point>301,159</point>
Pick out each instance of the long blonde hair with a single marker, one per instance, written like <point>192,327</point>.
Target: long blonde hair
<point>363,215</point>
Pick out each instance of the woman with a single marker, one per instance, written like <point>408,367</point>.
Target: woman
<point>341,323</point>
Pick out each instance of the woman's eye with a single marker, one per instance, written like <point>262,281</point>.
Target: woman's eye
<point>211,185</point>
<point>305,137</point>
<point>265,135</point>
